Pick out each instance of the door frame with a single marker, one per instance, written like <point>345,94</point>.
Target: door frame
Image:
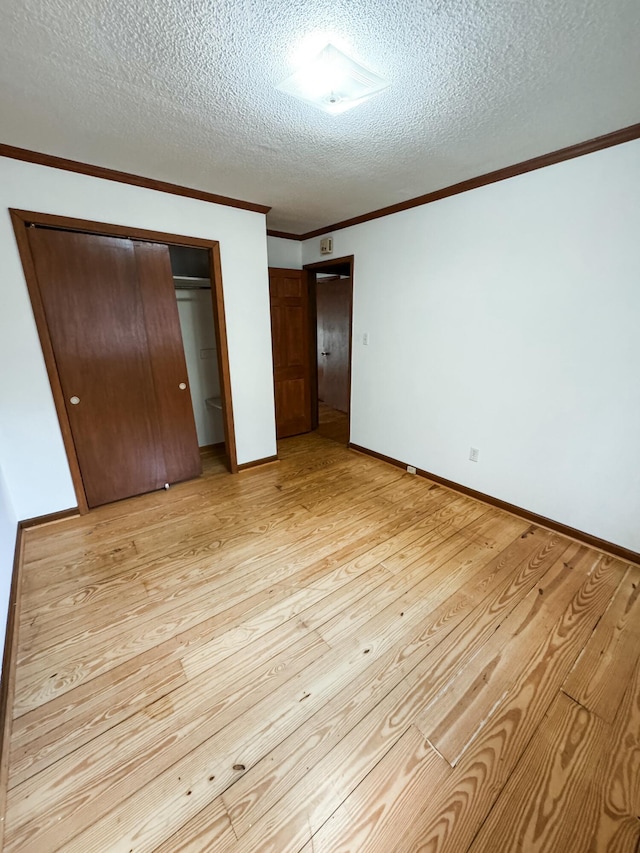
<point>337,266</point>
<point>21,220</point>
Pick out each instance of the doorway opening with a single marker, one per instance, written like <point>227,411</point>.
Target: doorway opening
<point>331,315</point>
<point>104,302</point>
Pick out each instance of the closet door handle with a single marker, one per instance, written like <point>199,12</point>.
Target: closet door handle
<point>182,386</point>
<point>325,353</point>
<point>74,400</point>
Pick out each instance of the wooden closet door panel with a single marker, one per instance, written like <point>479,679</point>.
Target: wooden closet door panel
<point>168,365</point>
<point>90,293</point>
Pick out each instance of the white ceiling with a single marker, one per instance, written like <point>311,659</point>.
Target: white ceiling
<point>183,91</point>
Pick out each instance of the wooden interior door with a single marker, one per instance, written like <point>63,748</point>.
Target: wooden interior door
<point>104,326</point>
<point>333,317</point>
<point>291,351</point>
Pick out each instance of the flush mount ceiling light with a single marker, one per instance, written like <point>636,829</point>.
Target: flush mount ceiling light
<point>333,82</point>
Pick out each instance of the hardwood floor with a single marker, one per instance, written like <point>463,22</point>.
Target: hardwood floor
<point>324,654</point>
<point>332,424</point>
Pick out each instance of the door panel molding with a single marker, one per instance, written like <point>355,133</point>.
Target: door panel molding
<point>21,219</point>
<point>289,302</point>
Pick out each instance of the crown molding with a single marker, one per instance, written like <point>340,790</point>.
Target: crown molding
<point>608,140</point>
<point>626,134</point>
<point>285,235</point>
<point>125,178</point>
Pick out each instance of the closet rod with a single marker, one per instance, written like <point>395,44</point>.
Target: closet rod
<point>192,287</point>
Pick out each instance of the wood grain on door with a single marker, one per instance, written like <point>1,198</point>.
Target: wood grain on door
<point>168,363</point>
<point>333,299</point>
<point>102,339</point>
<point>291,353</point>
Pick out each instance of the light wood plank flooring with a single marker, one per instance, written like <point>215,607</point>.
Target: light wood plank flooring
<point>332,423</point>
<point>323,654</point>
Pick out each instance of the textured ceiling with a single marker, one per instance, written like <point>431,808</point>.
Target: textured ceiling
<point>183,91</point>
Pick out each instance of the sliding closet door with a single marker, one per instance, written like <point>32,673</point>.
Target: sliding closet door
<point>113,387</point>
<point>168,362</point>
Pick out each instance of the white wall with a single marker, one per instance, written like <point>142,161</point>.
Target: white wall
<point>284,253</point>
<point>507,319</point>
<point>8,529</point>
<point>31,450</point>
<point>195,309</point>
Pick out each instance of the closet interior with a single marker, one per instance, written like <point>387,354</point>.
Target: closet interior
<point>192,281</point>
<point>133,334</point>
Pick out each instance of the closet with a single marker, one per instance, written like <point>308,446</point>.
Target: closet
<point>135,348</point>
<point>113,322</point>
<point>192,281</point>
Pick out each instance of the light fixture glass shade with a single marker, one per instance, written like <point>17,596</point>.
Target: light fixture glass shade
<point>333,82</point>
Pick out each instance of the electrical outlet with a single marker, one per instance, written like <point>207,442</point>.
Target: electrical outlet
<point>365,339</point>
<point>411,469</point>
<point>473,454</point>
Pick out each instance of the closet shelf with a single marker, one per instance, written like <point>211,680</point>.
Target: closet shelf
<point>191,282</point>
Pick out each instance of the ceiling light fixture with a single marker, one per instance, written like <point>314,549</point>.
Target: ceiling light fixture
<point>333,82</point>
